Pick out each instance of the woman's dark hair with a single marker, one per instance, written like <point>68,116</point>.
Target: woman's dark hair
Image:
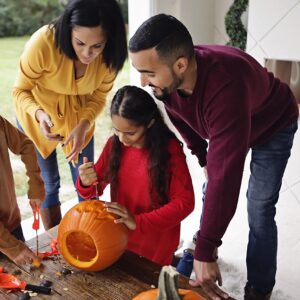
<point>92,13</point>
<point>166,34</point>
<point>137,106</point>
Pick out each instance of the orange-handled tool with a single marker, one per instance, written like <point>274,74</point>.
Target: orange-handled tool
<point>9,281</point>
<point>36,226</point>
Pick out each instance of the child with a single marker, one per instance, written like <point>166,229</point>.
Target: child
<point>151,188</point>
<point>11,234</point>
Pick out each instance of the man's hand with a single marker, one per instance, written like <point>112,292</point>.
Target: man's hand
<point>77,135</point>
<point>45,126</point>
<point>87,173</point>
<point>207,274</point>
<point>120,210</point>
<point>26,256</point>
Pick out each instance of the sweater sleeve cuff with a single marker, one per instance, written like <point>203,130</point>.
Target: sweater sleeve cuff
<point>205,249</point>
<point>86,192</point>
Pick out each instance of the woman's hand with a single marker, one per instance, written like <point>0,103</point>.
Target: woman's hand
<point>120,210</point>
<point>77,135</point>
<point>26,256</point>
<point>45,126</point>
<point>87,173</point>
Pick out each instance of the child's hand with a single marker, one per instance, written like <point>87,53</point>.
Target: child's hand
<point>120,210</point>
<point>35,203</point>
<point>26,256</point>
<point>87,173</point>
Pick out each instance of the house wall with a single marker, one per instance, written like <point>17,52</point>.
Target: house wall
<point>274,30</point>
<point>203,18</point>
<point>273,38</point>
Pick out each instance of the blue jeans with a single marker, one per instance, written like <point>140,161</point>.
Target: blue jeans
<point>50,173</point>
<point>268,163</point>
<point>185,264</point>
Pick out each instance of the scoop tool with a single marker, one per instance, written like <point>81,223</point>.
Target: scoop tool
<point>9,281</point>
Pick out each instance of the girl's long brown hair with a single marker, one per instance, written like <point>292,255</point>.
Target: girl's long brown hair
<point>139,107</point>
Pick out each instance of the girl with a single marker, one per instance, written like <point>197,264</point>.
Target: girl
<point>66,71</point>
<point>151,188</point>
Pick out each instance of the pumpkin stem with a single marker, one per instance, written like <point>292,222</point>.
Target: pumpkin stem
<point>168,284</point>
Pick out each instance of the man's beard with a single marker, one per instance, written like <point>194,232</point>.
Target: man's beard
<point>166,91</point>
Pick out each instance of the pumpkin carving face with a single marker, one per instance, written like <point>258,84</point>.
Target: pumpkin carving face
<point>88,238</point>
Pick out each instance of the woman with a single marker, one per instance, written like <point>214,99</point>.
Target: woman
<point>151,188</point>
<point>66,71</point>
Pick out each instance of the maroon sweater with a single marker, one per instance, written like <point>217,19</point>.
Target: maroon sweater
<point>236,104</point>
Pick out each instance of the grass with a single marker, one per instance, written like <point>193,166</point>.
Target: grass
<point>11,49</point>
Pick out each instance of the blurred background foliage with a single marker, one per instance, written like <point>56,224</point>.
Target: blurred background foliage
<point>23,17</point>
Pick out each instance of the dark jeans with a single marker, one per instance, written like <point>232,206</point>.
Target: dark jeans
<point>18,233</point>
<point>268,163</point>
<point>50,172</point>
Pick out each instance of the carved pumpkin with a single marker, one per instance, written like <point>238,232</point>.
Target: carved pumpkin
<point>168,288</point>
<point>88,238</point>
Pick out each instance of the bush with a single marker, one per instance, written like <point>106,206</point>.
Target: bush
<point>234,26</point>
<point>23,17</point>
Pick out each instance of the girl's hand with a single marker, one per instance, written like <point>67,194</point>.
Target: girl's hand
<point>120,210</point>
<point>77,135</point>
<point>87,173</point>
<point>26,256</point>
<point>45,125</point>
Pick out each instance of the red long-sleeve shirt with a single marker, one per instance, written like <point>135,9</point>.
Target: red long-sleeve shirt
<point>236,104</point>
<point>157,232</point>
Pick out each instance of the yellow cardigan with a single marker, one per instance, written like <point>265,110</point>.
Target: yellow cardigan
<point>46,80</point>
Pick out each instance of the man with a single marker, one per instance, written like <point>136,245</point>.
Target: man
<point>221,94</point>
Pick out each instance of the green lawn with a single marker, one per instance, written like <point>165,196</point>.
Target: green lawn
<point>10,51</point>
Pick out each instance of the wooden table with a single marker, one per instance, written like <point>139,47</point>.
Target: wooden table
<point>122,281</point>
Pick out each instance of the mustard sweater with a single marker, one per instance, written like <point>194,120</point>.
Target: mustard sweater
<point>46,80</point>
<point>14,140</point>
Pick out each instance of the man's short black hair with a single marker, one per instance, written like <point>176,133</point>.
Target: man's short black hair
<point>92,13</point>
<point>166,34</point>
